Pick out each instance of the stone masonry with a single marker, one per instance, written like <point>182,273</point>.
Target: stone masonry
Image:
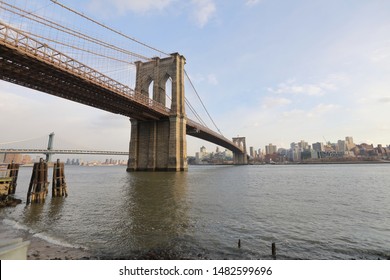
<point>240,158</point>
<point>160,144</point>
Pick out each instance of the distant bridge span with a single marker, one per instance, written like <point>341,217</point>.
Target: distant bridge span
<point>63,152</point>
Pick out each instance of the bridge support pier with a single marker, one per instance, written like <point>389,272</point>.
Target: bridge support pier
<point>160,145</point>
<point>240,158</point>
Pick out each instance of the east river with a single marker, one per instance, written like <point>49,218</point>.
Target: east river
<point>308,211</point>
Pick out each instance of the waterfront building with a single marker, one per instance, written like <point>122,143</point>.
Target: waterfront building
<point>303,145</point>
<point>251,152</point>
<point>270,149</point>
<point>341,146</point>
<point>349,143</point>
<point>203,152</point>
<point>201,155</point>
<point>16,158</point>
<point>228,154</point>
<point>294,154</point>
<point>319,147</point>
<point>26,159</point>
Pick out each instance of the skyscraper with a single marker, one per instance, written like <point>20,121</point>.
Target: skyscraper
<point>270,149</point>
<point>251,152</point>
<point>319,147</point>
<point>349,143</point>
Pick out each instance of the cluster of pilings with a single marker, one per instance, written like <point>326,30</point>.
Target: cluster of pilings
<point>38,188</point>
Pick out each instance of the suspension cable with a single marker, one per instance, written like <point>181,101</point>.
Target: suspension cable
<point>67,30</point>
<point>79,49</point>
<point>195,113</point>
<point>107,27</point>
<point>24,140</point>
<point>192,109</point>
<point>204,107</point>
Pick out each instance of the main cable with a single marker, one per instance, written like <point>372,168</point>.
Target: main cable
<point>107,27</point>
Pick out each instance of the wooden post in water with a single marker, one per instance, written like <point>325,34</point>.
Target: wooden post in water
<point>38,188</point>
<point>13,173</point>
<point>59,186</point>
<point>274,250</point>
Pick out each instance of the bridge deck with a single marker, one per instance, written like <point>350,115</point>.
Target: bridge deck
<point>27,62</point>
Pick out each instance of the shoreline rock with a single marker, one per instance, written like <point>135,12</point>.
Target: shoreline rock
<point>8,201</point>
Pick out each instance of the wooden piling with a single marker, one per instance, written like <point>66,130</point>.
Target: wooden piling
<point>59,188</point>
<point>5,182</point>
<point>13,169</point>
<point>38,187</point>
<point>239,243</point>
<point>273,250</point>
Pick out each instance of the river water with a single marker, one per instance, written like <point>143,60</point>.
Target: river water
<point>309,211</point>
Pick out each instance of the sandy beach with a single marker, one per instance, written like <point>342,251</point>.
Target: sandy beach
<point>40,249</point>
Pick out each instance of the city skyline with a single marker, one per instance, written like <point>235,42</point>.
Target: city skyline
<point>269,71</point>
<point>271,148</point>
<point>346,149</point>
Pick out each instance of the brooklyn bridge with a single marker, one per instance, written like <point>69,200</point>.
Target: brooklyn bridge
<point>158,130</point>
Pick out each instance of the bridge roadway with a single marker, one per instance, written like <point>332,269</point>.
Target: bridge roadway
<point>29,63</point>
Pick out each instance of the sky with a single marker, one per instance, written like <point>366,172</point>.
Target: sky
<point>273,71</point>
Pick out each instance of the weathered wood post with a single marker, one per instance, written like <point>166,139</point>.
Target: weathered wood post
<point>13,169</point>
<point>273,250</point>
<point>59,186</point>
<point>38,187</point>
<point>5,182</point>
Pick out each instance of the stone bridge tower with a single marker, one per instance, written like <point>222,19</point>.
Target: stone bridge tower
<point>240,158</point>
<point>160,144</point>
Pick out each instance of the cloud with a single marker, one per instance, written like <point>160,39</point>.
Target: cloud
<point>270,102</point>
<point>322,109</point>
<point>201,11</point>
<point>252,2</point>
<point>200,78</point>
<point>380,52</point>
<point>291,87</point>
<point>294,115</point>
<point>204,11</point>
<point>373,100</point>
<point>385,99</point>
<point>212,79</point>
<point>297,115</point>
<point>137,6</point>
